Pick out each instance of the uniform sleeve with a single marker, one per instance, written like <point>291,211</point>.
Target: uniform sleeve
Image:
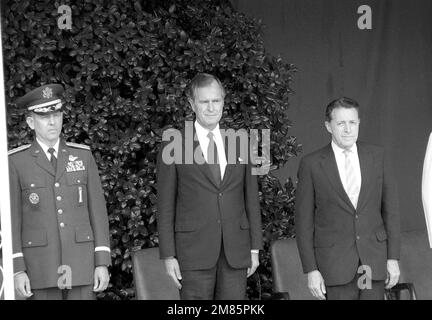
<point>166,204</point>
<point>98,215</point>
<point>427,188</point>
<point>16,218</point>
<point>304,217</point>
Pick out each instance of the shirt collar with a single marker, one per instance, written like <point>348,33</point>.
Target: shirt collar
<point>339,150</point>
<point>202,132</point>
<point>45,147</point>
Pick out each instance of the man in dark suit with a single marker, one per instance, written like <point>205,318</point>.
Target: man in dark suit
<point>208,211</point>
<point>59,218</point>
<point>347,215</point>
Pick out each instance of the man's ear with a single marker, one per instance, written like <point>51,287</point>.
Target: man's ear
<point>30,121</point>
<point>328,127</point>
<point>191,103</point>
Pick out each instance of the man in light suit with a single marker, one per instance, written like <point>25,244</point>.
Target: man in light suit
<point>347,215</point>
<point>59,219</point>
<point>208,213</point>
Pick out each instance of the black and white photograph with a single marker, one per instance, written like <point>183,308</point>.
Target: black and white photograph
<point>218,156</point>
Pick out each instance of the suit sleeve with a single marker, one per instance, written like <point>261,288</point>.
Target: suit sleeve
<point>253,209</point>
<point>16,218</point>
<point>166,205</point>
<point>304,217</point>
<point>427,188</point>
<point>390,211</point>
<point>98,215</point>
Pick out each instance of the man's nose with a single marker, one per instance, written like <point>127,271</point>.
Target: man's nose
<point>210,106</point>
<point>51,119</point>
<point>348,128</point>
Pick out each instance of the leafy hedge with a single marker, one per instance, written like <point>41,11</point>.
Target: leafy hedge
<point>125,66</point>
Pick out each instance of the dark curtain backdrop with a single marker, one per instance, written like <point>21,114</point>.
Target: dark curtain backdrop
<point>387,69</point>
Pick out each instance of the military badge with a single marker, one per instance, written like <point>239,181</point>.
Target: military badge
<point>74,165</point>
<point>34,198</point>
<point>47,93</point>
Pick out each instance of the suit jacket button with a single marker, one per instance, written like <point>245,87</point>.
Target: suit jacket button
<point>356,216</point>
<point>60,211</point>
<point>29,242</point>
<point>61,224</point>
<point>358,237</point>
<point>59,198</point>
<point>220,194</point>
<point>32,185</point>
<point>57,184</point>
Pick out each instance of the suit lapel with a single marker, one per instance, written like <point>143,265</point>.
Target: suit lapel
<point>366,169</point>
<point>229,167</point>
<point>330,168</point>
<point>41,158</point>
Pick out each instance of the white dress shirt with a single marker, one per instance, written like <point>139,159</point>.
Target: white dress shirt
<point>204,142</point>
<point>45,148</point>
<point>340,161</point>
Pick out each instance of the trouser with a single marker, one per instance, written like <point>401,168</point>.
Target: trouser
<point>222,282</point>
<point>75,293</point>
<point>357,290</point>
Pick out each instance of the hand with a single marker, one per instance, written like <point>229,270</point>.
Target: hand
<point>393,273</point>
<point>101,278</point>
<point>254,263</point>
<point>22,285</point>
<point>173,269</point>
<point>316,284</point>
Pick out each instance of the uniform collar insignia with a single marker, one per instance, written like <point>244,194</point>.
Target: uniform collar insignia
<point>72,158</point>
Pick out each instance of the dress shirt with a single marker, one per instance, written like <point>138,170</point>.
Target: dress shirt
<point>340,161</point>
<point>202,133</point>
<point>45,148</point>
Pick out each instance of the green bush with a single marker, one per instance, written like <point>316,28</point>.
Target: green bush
<point>125,66</point>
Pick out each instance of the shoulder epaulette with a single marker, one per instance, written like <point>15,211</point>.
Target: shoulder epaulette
<point>77,145</point>
<point>21,148</point>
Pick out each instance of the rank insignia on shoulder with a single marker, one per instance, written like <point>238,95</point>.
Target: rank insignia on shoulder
<point>77,145</point>
<point>21,148</point>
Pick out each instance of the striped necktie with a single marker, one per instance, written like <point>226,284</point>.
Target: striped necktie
<point>352,186</point>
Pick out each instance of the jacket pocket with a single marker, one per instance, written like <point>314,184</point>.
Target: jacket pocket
<point>323,242</point>
<point>34,238</point>
<point>83,233</point>
<point>185,227</point>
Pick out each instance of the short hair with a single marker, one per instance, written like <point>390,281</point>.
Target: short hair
<point>343,102</point>
<point>202,80</point>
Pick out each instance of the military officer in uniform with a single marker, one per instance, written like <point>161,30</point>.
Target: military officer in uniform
<point>59,217</point>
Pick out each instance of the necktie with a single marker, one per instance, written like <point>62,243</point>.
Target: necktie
<point>213,158</point>
<point>53,158</point>
<point>352,187</point>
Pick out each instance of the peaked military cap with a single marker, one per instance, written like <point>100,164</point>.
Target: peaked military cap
<point>42,100</point>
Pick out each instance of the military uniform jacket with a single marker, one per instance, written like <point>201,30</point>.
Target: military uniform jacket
<point>59,219</point>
